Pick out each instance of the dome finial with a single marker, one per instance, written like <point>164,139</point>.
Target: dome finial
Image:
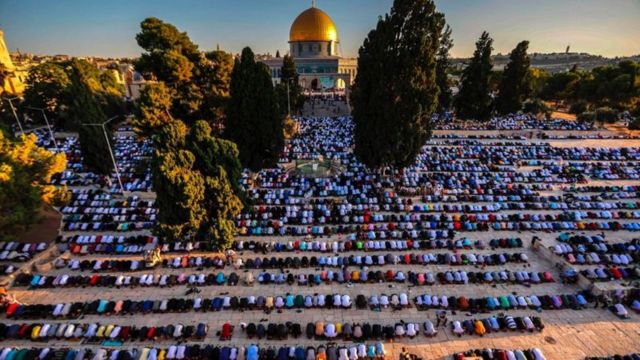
<point>313,3</point>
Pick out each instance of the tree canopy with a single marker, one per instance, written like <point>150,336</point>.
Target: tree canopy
<point>474,99</point>
<point>84,109</point>
<point>49,87</point>
<point>289,75</point>
<point>25,174</point>
<point>199,81</point>
<point>395,91</point>
<point>613,86</point>
<point>515,85</point>
<point>195,174</point>
<point>253,119</point>
<point>215,83</point>
<point>153,110</point>
<point>442,67</point>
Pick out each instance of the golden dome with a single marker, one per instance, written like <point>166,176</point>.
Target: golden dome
<point>313,24</point>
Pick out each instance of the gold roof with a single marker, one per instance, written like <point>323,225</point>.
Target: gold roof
<point>313,24</point>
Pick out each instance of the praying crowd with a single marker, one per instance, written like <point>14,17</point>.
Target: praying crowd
<point>493,232</point>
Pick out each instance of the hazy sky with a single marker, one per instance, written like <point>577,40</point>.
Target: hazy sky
<point>108,27</point>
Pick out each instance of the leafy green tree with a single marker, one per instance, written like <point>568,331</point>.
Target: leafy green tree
<point>395,92</point>
<point>587,116</point>
<point>85,109</point>
<point>215,82</point>
<point>217,160</point>
<point>515,86</point>
<point>579,107</point>
<point>213,154</point>
<point>560,86</point>
<point>111,94</point>
<point>25,175</point>
<point>495,78</point>
<point>253,121</point>
<point>606,115</point>
<point>613,86</point>
<point>94,147</point>
<point>538,78</point>
<point>170,56</point>
<point>536,106</point>
<point>200,81</point>
<point>636,110</point>
<point>159,35</point>
<point>47,88</point>
<point>171,137</point>
<point>442,67</point>
<point>153,109</point>
<point>180,194</point>
<point>474,99</point>
<point>196,175</point>
<point>289,75</point>
<point>195,192</point>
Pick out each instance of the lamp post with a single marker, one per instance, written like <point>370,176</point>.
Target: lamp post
<point>113,158</point>
<point>46,120</point>
<point>13,109</point>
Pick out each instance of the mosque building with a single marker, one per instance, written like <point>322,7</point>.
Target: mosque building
<point>314,44</point>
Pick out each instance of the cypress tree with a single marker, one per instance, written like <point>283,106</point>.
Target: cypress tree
<point>442,66</point>
<point>474,99</point>
<point>395,92</point>
<point>289,74</point>
<point>253,121</point>
<point>515,84</point>
<point>84,109</point>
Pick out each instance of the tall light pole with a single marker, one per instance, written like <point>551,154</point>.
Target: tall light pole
<point>113,157</point>
<point>46,120</point>
<point>13,109</point>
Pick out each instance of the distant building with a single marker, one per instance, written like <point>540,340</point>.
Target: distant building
<point>132,80</point>
<point>14,82</point>
<point>314,44</point>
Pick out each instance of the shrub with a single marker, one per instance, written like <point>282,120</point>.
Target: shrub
<point>606,114</point>
<point>579,107</point>
<point>536,106</point>
<point>587,116</point>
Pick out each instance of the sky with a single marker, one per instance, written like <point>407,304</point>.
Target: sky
<point>108,28</point>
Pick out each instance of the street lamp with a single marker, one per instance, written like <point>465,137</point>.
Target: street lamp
<point>113,158</point>
<point>13,109</point>
<point>44,115</point>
